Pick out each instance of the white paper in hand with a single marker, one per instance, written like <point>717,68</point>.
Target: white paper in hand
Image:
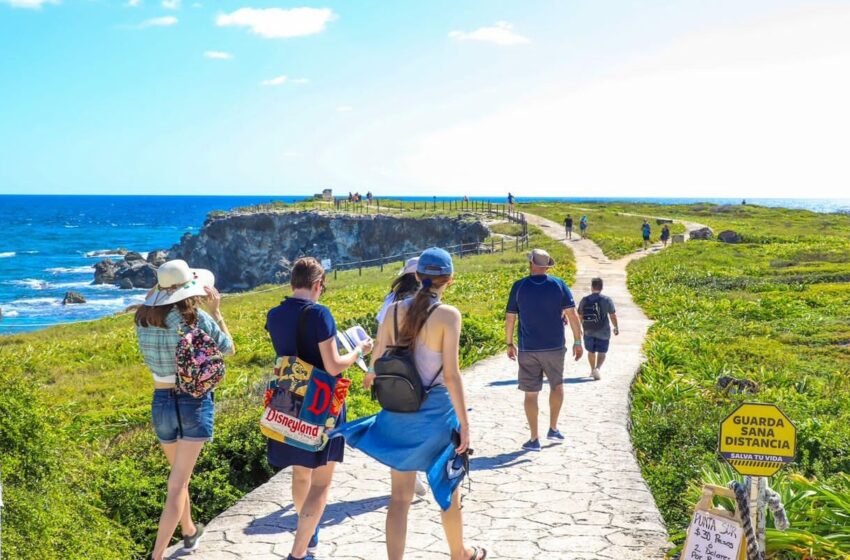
<point>349,339</point>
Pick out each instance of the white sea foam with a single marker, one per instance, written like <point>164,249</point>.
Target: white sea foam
<point>104,254</point>
<point>70,270</point>
<point>71,285</point>
<point>31,283</point>
<point>10,313</point>
<point>7,255</point>
<point>29,252</point>
<point>37,302</point>
<point>111,302</point>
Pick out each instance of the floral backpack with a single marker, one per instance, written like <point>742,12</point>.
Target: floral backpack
<point>200,364</point>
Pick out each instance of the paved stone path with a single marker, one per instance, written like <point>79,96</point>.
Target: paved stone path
<point>581,500</point>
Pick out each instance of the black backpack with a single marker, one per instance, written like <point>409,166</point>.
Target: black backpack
<point>398,386</point>
<point>591,311</point>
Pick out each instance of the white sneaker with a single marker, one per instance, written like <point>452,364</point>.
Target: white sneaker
<point>595,374</point>
<point>421,488</point>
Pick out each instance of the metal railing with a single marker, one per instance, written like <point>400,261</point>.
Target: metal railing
<point>462,250</point>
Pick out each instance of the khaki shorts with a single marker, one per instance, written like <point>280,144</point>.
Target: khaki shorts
<point>533,365</point>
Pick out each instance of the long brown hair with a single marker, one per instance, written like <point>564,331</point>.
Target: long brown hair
<point>147,316</point>
<point>404,285</point>
<point>417,313</point>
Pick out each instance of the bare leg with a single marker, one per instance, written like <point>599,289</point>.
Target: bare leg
<point>591,359</point>
<point>600,360</point>
<point>556,399</point>
<point>403,484</point>
<point>312,509</point>
<point>453,527</point>
<point>531,412</point>
<point>301,477</point>
<point>185,456</point>
<point>187,526</point>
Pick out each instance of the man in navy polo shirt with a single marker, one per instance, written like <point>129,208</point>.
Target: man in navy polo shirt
<point>543,303</point>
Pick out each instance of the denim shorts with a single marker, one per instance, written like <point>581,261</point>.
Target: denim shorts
<point>596,344</point>
<point>180,416</point>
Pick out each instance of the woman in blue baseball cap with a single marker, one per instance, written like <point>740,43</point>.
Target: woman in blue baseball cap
<point>435,438</point>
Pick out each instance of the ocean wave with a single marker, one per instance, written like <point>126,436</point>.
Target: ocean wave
<point>37,302</point>
<point>69,226</point>
<point>104,253</point>
<point>10,313</point>
<point>70,269</point>
<point>112,302</point>
<point>72,285</point>
<point>7,255</point>
<point>29,252</point>
<point>31,283</point>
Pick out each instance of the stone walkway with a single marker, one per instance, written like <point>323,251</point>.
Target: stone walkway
<point>581,500</point>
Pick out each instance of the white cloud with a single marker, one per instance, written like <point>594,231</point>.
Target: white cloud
<point>756,110</point>
<point>134,3</point>
<point>500,34</point>
<point>218,55</point>
<point>291,155</point>
<point>276,23</point>
<point>300,81</point>
<point>344,109</point>
<point>171,4</point>
<point>166,21</point>
<point>279,81</point>
<point>29,4</point>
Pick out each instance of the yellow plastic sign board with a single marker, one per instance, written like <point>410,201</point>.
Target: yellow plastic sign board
<point>758,439</point>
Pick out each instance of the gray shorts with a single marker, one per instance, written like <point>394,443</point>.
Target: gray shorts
<point>533,365</point>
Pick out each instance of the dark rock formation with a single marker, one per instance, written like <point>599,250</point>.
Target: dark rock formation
<point>125,284</point>
<point>72,298</point>
<point>140,274</point>
<point>157,258</point>
<point>132,257</point>
<point>245,250</point>
<point>702,233</point>
<point>104,272</point>
<point>729,236</point>
<point>661,221</point>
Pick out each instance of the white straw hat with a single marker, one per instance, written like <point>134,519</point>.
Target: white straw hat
<point>176,282</point>
<point>409,266</point>
<point>539,257</point>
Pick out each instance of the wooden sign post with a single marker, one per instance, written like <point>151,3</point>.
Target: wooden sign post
<point>715,534</point>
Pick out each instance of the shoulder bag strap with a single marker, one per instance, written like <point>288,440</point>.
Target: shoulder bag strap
<point>302,325</point>
<point>439,371</point>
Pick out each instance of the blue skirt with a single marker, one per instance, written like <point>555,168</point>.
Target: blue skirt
<point>412,441</point>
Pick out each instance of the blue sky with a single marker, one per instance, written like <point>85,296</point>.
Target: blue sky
<point>557,98</point>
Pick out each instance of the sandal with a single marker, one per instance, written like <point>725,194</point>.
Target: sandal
<point>478,553</point>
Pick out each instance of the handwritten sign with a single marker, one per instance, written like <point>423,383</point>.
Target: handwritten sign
<point>713,537</point>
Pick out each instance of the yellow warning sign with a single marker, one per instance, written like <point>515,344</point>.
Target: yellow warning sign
<point>758,439</point>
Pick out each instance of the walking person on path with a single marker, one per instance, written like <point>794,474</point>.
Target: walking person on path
<point>597,316</point>
<point>568,225</point>
<point>510,202</point>
<point>665,234</point>
<point>312,472</point>
<point>582,226</point>
<point>543,304</point>
<point>404,287</point>
<point>436,436</point>
<point>645,232</point>
<point>182,422</point>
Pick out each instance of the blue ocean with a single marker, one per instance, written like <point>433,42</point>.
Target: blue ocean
<point>50,244</point>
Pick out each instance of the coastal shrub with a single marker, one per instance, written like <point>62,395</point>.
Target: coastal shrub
<point>774,313</point>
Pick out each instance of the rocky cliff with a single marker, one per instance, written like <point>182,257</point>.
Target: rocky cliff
<point>245,250</point>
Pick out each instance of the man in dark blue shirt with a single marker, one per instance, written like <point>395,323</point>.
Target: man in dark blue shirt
<point>543,303</point>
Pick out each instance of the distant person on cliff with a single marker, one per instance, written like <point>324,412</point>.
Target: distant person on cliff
<point>404,287</point>
<point>645,232</point>
<point>312,472</point>
<point>435,438</point>
<point>543,304</point>
<point>182,422</point>
<point>510,202</point>
<point>597,315</point>
<point>582,227</point>
<point>568,225</point>
<point>665,234</point>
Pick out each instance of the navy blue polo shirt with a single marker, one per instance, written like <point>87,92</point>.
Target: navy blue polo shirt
<point>539,301</point>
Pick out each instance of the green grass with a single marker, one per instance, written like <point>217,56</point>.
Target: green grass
<point>616,234</point>
<point>775,310</point>
<point>82,472</point>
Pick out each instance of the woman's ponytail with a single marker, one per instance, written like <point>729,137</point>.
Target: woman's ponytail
<point>417,313</point>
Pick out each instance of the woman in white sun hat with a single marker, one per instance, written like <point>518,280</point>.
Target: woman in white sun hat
<point>182,422</point>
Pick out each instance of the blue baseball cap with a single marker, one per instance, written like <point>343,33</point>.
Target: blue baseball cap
<point>435,262</point>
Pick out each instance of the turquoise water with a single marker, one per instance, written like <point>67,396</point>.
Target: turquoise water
<point>50,243</point>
